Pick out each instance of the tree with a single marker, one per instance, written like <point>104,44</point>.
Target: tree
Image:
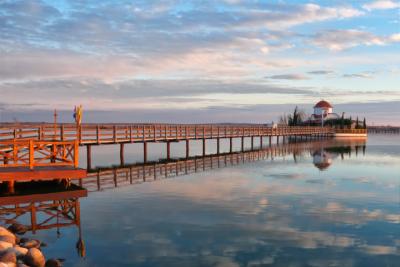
<point>351,122</point>
<point>342,121</point>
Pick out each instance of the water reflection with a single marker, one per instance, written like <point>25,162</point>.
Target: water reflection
<point>41,206</point>
<point>270,207</point>
<point>323,153</point>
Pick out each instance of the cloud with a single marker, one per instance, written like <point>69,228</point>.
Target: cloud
<point>367,75</point>
<point>320,72</point>
<point>337,40</point>
<point>381,5</point>
<point>288,77</point>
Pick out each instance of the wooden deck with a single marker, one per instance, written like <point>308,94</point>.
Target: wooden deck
<point>42,173</point>
<point>130,133</point>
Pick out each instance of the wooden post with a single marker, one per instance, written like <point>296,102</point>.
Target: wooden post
<point>277,139</point>
<point>89,157</point>
<point>98,134</point>
<point>230,145</point>
<point>270,140</point>
<point>187,148</point>
<point>144,152</point>
<point>204,146</point>
<point>242,144</point>
<point>31,155</point>
<point>121,154</point>
<point>218,145</point>
<point>168,150</point>
<point>76,154</point>
<point>261,142</point>
<point>252,142</point>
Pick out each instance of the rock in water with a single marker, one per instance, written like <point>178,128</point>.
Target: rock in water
<point>8,238</point>
<point>33,243</point>
<point>8,256</point>
<point>18,228</point>
<point>5,245</point>
<point>53,263</point>
<point>20,251</point>
<point>5,232</point>
<point>34,258</point>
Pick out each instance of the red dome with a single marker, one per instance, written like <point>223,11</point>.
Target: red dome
<point>323,104</point>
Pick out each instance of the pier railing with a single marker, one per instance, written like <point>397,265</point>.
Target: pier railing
<point>33,153</point>
<point>123,133</point>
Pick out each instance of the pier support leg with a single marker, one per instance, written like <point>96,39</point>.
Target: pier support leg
<point>230,145</point>
<point>217,146</point>
<point>270,140</point>
<point>89,157</point>
<point>242,144</point>
<point>252,143</point>
<point>144,152</point>
<point>261,142</point>
<point>121,154</point>
<point>204,146</point>
<point>168,150</point>
<point>187,148</point>
<point>10,187</point>
<point>277,139</point>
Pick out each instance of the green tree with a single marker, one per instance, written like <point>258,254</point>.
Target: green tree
<point>357,124</point>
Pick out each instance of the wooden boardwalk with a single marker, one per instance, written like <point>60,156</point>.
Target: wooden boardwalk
<point>130,133</point>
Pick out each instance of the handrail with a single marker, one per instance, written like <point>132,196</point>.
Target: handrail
<point>34,153</point>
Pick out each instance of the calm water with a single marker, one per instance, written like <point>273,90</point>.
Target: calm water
<point>332,204</point>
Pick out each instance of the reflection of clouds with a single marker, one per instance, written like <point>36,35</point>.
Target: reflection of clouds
<point>380,250</point>
<point>336,212</point>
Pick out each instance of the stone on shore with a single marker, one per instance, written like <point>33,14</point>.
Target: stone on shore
<point>18,228</point>
<point>5,232</point>
<point>8,238</point>
<point>20,251</point>
<point>8,256</point>
<point>34,258</point>
<point>32,243</point>
<point>5,245</point>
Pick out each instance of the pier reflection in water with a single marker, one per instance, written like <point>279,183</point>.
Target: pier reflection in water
<point>43,205</point>
<point>324,203</point>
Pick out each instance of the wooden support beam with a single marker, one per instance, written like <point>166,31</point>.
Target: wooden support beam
<point>144,152</point>
<point>230,144</point>
<point>121,154</point>
<point>252,142</point>
<point>168,150</point>
<point>89,157</point>
<point>261,142</point>
<point>242,144</point>
<point>218,145</point>
<point>204,146</point>
<point>187,148</point>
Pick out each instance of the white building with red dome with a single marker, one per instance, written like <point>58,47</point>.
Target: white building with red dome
<point>323,110</point>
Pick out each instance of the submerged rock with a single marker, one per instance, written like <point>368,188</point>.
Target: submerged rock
<point>34,258</point>
<point>18,228</point>
<point>53,263</point>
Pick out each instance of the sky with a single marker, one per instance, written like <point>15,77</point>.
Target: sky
<point>198,61</point>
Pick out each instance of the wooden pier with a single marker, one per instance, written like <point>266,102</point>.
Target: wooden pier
<point>101,134</point>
